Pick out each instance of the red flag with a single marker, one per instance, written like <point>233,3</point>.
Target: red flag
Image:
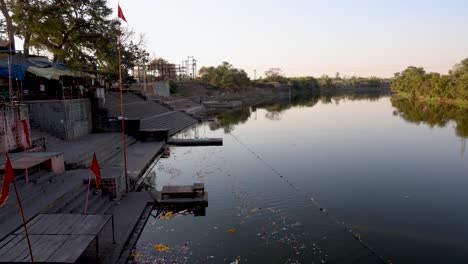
<point>96,170</point>
<point>26,131</point>
<point>8,178</point>
<point>120,13</point>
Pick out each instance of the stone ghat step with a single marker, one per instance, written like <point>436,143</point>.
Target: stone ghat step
<point>138,110</point>
<point>35,198</point>
<point>173,121</point>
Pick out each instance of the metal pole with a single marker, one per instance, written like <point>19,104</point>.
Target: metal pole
<point>24,222</point>
<point>123,115</point>
<point>87,194</point>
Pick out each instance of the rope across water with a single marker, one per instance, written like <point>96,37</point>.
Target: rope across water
<point>313,200</point>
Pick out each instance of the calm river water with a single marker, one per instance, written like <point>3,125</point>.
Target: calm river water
<point>291,181</point>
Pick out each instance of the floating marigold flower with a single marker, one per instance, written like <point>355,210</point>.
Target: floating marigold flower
<point>232,230</point>
<point>161,247</point>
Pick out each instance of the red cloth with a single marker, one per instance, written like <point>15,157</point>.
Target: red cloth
<point>120,13</point>
<point>95,169</point>
<point>7,179</point>
<point>26,131</point>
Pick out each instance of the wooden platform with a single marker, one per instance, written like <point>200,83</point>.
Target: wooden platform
<point>197,142</point>
<point>53,161</point>
<point>55,238</point>
<point>199,199</point>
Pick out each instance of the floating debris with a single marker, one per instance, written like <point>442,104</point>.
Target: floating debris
<point>166,217</point>
<point>161,247</point>
<point>232,230</point>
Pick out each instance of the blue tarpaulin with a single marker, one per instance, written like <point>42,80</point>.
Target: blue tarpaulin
<point>17,72</point>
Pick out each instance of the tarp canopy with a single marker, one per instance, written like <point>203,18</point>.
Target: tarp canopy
<point>19,65</point>
<point>54,73</point>
<point>38,65</point>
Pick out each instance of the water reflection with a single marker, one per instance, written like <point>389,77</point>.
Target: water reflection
<point>440,115</point>
<point>277,106</point>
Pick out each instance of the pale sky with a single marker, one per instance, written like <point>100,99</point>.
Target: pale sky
<point>306,37</point>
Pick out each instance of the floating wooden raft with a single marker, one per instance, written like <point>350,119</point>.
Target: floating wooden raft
<point>197,142</point>
<point>181,195</point>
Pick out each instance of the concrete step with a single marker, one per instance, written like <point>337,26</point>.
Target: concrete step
<point>60,205</point>
<point>31,193</point>
<point>100,205</point>
<point>39,198</point>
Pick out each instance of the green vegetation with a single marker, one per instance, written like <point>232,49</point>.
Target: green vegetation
<point>225,76</point>
<point>81,34</point>
<point>433,114</point>
<point>415,82</point>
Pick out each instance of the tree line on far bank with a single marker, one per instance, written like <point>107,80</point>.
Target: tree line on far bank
<point>416,82</point>
<point>227,77</point>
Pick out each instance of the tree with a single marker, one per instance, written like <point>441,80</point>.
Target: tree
<point>275,75</point>
<point>67,29</point>
<point>225,76</point>
<point>9,23</point>
<point>415,81</point>
<point>24,17</point>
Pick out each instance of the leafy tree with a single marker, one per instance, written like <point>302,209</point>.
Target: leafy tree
<point>6,9</point>
<point>275,75</point>
<point>326,82</point>
<point>225,76</point>
<point>417,82</point>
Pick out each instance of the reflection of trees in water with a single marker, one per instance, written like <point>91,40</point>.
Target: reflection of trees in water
<point>433,114</point>
<point>276,107</point>
<point>227,120</point>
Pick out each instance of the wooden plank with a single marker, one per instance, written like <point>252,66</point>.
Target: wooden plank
<point>6,240</point>
<point>196,142</point>
<point>43,250</point>
<point>79,227</point>
<point>177,190</point>
<point>43,224</point>
<point>52,226</point>
<point>18,249</point>
<point>12,243</point>
<point>29,224</point>
<point>36,241</point>
<point>94,225</point>
<point>71,249</point>
<point>65,228</point>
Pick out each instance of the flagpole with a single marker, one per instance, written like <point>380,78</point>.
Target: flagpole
<point>87,194</point>
<point>122,114</point>
<point>24,222</point>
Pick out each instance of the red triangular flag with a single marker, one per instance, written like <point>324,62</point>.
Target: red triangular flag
<point>96,170</point>
<point>8,178</point>
<point>26,131</point>
<point>120,13</point>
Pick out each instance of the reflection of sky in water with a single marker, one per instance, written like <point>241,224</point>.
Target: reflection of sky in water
<point>400,185</point>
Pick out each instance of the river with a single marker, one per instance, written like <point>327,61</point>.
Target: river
<point>308,182</point>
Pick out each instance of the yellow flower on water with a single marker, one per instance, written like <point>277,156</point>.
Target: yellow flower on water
<point>137,255</point>
<point>232,230</point>
<point>161,247</point>
<point>168,216</point>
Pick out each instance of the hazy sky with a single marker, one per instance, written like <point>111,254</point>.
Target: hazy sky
<point>306,37</point>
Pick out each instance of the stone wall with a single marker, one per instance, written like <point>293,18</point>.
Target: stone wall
<point>65,119</point>
<point>161,89</point>
<point>12,135</point>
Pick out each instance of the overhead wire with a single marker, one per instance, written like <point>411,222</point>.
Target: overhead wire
<point>310,198</point>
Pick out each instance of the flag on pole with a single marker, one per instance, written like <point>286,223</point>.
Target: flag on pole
<point>121,14</point>
<point>95,169</point>
<point>26,131</point>
<point>8,178</point>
